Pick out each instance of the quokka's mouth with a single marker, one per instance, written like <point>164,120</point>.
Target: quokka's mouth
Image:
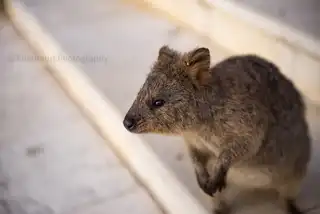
<point>140,128</point>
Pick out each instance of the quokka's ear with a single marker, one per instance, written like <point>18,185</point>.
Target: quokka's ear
<point>198,66</point>
<point>165,53</point>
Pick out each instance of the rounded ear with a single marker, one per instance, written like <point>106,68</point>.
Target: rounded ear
<point>165,52</point>
<point>198,65</point>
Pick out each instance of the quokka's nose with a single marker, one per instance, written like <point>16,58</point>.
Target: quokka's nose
<point>129,123</point>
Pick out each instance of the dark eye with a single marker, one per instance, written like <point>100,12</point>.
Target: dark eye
<point>158,103</point>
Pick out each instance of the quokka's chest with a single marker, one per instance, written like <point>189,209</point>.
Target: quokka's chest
<point>210,144</point>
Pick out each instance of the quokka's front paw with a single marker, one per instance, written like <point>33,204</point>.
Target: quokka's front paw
<point>203,181</point>
<point>217,182</point>
<point>217,185</point>
<point>211,185</point>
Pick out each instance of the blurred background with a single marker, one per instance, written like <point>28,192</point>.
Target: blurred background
<point>53,161</point>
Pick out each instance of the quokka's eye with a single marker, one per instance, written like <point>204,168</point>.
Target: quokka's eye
<point>158,103</point>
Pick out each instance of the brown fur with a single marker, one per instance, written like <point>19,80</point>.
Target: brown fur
<point>241,113</point>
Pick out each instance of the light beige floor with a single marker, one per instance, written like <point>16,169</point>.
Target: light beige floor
<point>51,159</point>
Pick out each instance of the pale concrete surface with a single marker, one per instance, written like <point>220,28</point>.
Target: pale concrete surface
<point>124,41</point>
<point>302,15</point>
<point>51,160</point>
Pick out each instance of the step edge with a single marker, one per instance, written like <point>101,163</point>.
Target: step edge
<point>271,26</point>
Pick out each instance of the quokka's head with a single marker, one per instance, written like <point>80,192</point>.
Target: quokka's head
<point>167,102</point>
